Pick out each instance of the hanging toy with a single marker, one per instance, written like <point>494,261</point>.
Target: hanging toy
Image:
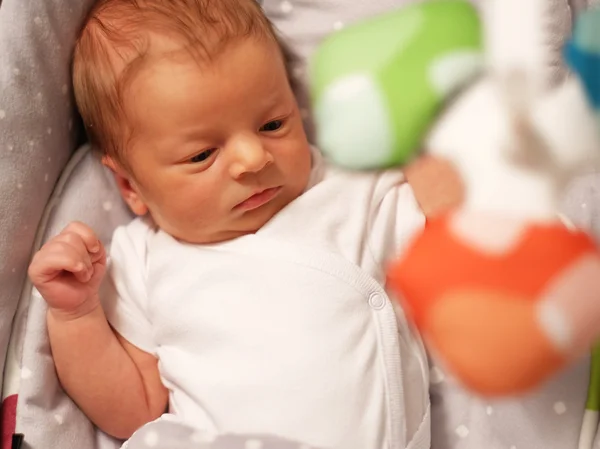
<point>582,54</point>
<point>378,85</point>
<point>502,292</point>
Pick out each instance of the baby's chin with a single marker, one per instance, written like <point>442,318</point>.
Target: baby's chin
<point>237,225</point>
<point>250,223</point>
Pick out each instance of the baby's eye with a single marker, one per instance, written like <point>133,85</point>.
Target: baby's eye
<point>272,126</point>
<point>201,157</point>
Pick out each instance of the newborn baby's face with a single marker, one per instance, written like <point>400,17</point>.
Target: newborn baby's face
<point>218,147</point>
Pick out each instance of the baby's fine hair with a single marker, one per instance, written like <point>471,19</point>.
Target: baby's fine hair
<point>115,42</point>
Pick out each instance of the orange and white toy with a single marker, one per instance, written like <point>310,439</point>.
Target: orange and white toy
<point>502,291</point>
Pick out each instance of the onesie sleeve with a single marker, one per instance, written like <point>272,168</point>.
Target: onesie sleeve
<point>396,218</point>
<point>123,292</point>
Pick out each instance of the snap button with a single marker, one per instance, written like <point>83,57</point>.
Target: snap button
<point>377,301</point>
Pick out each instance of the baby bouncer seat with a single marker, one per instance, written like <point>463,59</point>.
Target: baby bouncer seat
<point>49,177</point>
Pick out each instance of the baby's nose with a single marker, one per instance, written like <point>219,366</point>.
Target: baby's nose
<point>249,156</point>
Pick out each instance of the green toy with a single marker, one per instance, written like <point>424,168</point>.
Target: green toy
<point>431,49</point>
<point>592,406</point>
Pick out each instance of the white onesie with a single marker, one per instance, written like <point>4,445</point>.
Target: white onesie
<point>288,331</point>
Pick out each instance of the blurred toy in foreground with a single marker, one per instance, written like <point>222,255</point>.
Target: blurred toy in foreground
<point>503,293</point>
<point>378,85</point>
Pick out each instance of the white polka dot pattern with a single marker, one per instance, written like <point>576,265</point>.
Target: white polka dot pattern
<point>462,431</point>
<point>202,437</point>
<point>168,432</point>
<point>560,408</point>
<point>286,7</point>
<point>338,25</point>
<point>253,444</point>
<point>26,373</point>
<point>36,41</point>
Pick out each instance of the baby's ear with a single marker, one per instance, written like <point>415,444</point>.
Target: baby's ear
<point>110,163</point>
<point>127,186</point>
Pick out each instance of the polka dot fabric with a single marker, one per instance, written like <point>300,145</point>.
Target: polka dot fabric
<point>37,138</point>
<point>166,433</point>
<point>548,418</point>
<point>83,193</point>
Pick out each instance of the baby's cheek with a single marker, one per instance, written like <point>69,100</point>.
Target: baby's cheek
<point>189,201</point>
<point>302,161</point>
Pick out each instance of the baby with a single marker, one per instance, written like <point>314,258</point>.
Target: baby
<point>249,296</point>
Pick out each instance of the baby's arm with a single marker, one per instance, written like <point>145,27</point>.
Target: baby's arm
<point>115,384</point>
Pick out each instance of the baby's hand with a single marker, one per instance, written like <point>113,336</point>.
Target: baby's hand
<point>436,185</point>
<point>68,270</point>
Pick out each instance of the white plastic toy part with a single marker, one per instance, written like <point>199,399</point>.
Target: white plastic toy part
<point>516,137</point>
<point>528,35</point>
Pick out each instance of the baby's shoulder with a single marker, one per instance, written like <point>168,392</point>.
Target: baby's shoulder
<point>373,183</point>
<point>132,239</point>
<point>330,177</point>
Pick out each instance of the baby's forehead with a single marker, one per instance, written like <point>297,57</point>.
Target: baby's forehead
<point>122,38</point>
<point>175,77</point>
<point>127,27</point>
<point>160,50</point>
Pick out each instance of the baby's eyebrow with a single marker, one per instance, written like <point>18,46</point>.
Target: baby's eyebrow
<point>274,95</point>
<point>196,133</point>
<point>277,108</point>
<point>182,144</point>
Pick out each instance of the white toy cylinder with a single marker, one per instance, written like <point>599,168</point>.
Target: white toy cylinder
<point>528,35</point>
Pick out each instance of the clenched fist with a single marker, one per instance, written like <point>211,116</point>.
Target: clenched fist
<point>68,270</point>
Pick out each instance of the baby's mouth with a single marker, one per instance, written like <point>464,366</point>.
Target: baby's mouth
<point>258,199</point>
